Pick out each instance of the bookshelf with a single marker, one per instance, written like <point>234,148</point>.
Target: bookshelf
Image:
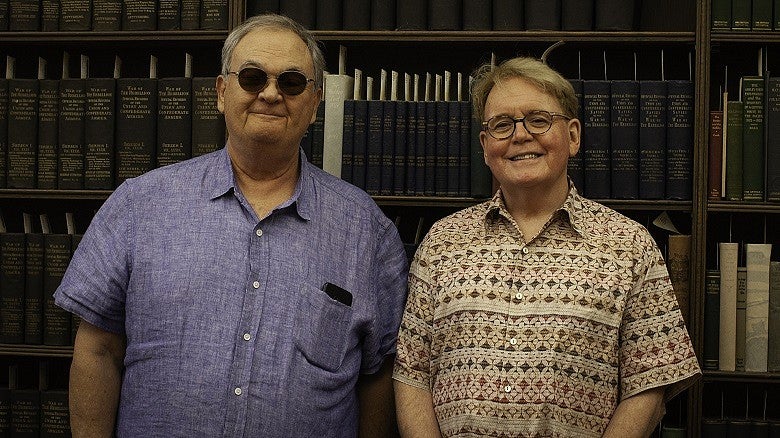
<point>459,51</point>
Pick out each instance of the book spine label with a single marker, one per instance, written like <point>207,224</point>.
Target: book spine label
<point>721,14</point>
<point>75,15</point>
<point>107,15</point>
<point>168,12</point>
<point>136,122</point>
<point>360,140</point>
<point>12,276</point>
<point>596,138</point>
<point>715,156</point>
<point>679,140</point>
<point>99,152</point>
<point>740,15</point>
<point>33,289</point>
<point>374,148</point>
<point>214,14</point>
<point>48,133</point>
<point>387,159</point>
<point>453,149</point>
<point>139,15</point>
<point>56,321</point>
<point>208,124</point>
<point>411,147</point>
<point>464,149</point>
<point>399,150</point>
<point>55,418</point>
<point>190,14</point>
<point>442,150</point>
<point>22,133</point>
<point>420,149</point>
<point>25,15</point>
<point>652,139</point>
<point>773,140</point>
<point>174,120</point>
<point>50,15</point>
<point>348,148</point>
<point>624,142</point>
<point>752,138</point>
<point>431,131</point>
<point>70,156</point>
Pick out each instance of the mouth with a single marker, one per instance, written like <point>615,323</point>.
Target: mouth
<point>526,156</point>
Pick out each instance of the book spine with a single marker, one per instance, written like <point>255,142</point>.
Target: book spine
<point>399,149</point>
<point>214,14</point>
<point>3,132</point>
<point>773,140</point>
<point>740,15</point>
<point>575,167</point>
<point>624,140</point>
<point>411,147</point>
<point>727,320</point>
<point>329,14</point>
<point>33,289</point>
<point>99,151</point>
<point>56,321</point>
<point>168,12</point>
<point>208,124</point>
<point>139,15</point>
<point>715,156</point>
<point>107,15</point>
<point>12,276</point>
<point>387,160</point>
<point>508,15</point>
<point>75,15</point>
<point>757,306</point>
<point>338,88</point>
<point>721,14</point>
<point>301,11</point>
<point>48,132</point>
<point>257,7</point>
<point>441,154</point>
<point>25,413</point>
<point>360,140</point>
<point>190,14</point>
<point>464,149</point>
<point>614,15</point>
<point>25,15</point>
<point>773,341</point>
<point>679,262</point>
<point>481,178</point>
<point>542,14</point>
<point>374,147</point>
<point>50,15</point>
<point>348,145</point>
<point>411,15</point>
<point>174,120</point>
<point>679,140</point>
<point>753,138</point>
<point>577,14</point>
<point>453,149</point>
<point>761,16</point>
<point>22,133</point>
<point>652,139</point>
<point>70,155</point>
<point>136,122</point>
<point>431,134</point>
<point>356,14</point>
<point>711,319</point>
<point>421,169</point>
<point>739,338</point>
<point>318,137</point>
<point>55,418</point>
<point>733,157</point>
<point>382,15</point>
<point>445,14</point>
<point>477,14</point>
<point>596,138</point>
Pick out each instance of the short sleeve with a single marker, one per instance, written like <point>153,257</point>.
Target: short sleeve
<point>95,283</point>
<point>655,348</point>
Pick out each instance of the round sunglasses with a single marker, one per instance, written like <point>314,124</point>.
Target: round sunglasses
<point>254,80</point>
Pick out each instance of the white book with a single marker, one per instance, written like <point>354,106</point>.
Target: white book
<point>757,306</point>
<point>773,353</point>
<point>338,88</point>
<point>727,255</point>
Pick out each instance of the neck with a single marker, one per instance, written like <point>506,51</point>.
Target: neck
<point>532,207</point>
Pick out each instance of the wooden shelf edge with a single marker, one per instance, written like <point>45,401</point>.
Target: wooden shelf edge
<point>710,376</point>
<point>35,350</point>
<point>114,36</point>
<point>745,36</point>
<point>97,195</point>
<point>743,207</point>
<point>505,36</point>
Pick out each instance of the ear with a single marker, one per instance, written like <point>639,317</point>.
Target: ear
<point>317,103</point>
<point>575,131</point>
<point>482,140</point>
<point>221,84</point>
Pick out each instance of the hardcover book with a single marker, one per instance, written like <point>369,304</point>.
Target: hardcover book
<point>12,276</point>
<point>190,14</point>
<point>773,139</point>
<point>444,14</point>
<point>679,263</point>
<point>508,15</point>
<point>25,412</point>
<point>139,15</point>
<point>22,133</point>
<point>757,306</point>
<point>575,167</point>
<point>338,88</point>
<point>329,13</point>
<point>55,417</point>
<point>168,12</point>
<point>596,134</point>
<point>136,127</point>
<point>740,15</point>
<point>75,15</point>
<point>374,147</point>
<point>477,14</point>
<point>577,14</point>
<point>753,138</point>
<point>356,14</point>
<point>301,11</point>
<point>25,15</point>
<point>542,14</point>
<point>348,145</point>
<point>214,14</point>
<point>174,120</point>
<point>733,156</point>
<point>100,114</point>
<point>615,15</point>
<point>33,289</point>
<point>727,321</point>
<point>399,150</point>
<point>679,140</point>
<point>383,15</point>
<point>624,140</point>
<point>70,154</point>
<point>411,15</point>
<point>386,158</point>
<point>761,16</point>
<point>3,131</point>
<point>50,15</point>
<point>208,124</point>
<point>106,15</point>
<point>56,321</point>
<point>48,133</point>
<point>739,343</point>
<point>360,144</point>
<point>711,319</point>
<point>715,156</point>
<point>721,15</point>
<point>773,341</point>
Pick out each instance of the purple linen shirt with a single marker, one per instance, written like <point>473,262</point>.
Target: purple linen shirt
<point>228,330</point>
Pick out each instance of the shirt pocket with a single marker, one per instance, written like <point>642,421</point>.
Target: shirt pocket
<point>322,328</point>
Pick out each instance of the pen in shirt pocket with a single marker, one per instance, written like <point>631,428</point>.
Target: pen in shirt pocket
<point>338,294</point>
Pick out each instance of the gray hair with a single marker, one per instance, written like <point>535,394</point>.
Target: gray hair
<point>274,21</point>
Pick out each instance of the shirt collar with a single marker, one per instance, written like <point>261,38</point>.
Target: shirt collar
<point>572,210</point>
<point>224,182</point>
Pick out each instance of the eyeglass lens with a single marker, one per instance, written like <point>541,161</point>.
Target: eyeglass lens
<point>254,80</point>
<point>534,123</point>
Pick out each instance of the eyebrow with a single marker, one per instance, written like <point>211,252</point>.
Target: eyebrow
<point>262,67</point>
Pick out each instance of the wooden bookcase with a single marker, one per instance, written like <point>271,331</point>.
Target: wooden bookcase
<point>456,51</point>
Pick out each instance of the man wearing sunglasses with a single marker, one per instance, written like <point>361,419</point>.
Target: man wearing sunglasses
<point>245,292</point>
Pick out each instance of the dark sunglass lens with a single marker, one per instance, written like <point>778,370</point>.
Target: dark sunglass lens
<point>292,82</point>
<point>252,79</point>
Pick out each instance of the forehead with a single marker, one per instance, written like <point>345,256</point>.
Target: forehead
<point>272,48</point>
<point>519,95</point>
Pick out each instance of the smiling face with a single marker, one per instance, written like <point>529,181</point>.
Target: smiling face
<point>524,161</point>
<point>270,119</point>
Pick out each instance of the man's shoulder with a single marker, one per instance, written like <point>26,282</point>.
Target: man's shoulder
<point>335,193</point>
<point>175,178</point>
<point>605,223</point>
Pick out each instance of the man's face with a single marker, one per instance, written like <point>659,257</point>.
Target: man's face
<point>268,117</point>
<point>523,160</point>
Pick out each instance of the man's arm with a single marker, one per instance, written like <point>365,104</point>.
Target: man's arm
<point>416,418</point>
<point>375,396</point>
<point>638,415</point>
<point>95,379</point>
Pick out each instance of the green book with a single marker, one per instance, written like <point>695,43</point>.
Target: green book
<point>721,14</point>
<point>761,18</point>
<point>740,15</point>
<point>733,158</point>
<point>753,138</point>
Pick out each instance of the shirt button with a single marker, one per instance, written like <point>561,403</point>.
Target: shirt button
<point>256,284</point>
<point>237,391</point>
<point>259,232</point>
<point>247,336</point>
<point>519,296</point>
<point>507,388</point>
<point>525,250</point>
<point>513,341</point>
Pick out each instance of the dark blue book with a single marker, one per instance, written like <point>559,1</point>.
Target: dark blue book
<point>431,149</point>
<point>399,152</point>
<point>387,162</point>
<point>624,106</point>
<point>411,147</point>
<point>452,188</point>
<point>347,144</point>
<point>596,134</point>
<point>421,170</point>
<point>679,140</point>
<point>464,149</point>
<point>442,151</point>
<point>652,139</point>
<point>360,144</point>
<point>374,147</point>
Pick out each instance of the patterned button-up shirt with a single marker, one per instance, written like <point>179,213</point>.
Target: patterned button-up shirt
<point>229,332</point>
<point>545,337</point>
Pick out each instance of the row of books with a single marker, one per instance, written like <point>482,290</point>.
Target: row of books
<point>93,133</point>
<point>742,15</point>
<point>744,143</point>
<point>32,265</point>
<point>475,15</point>
<point>112,15</point>
<point>742,310</point>
<point>34,413</point>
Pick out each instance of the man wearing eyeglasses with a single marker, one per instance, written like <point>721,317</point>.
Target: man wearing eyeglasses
<point>538,312</point>
<point>244,292</point>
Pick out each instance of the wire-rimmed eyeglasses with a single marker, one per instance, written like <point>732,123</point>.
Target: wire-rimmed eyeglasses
<point>536,122</point>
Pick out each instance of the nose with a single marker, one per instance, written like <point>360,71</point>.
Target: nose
<point>271,91</point>
<point>521,133</point>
